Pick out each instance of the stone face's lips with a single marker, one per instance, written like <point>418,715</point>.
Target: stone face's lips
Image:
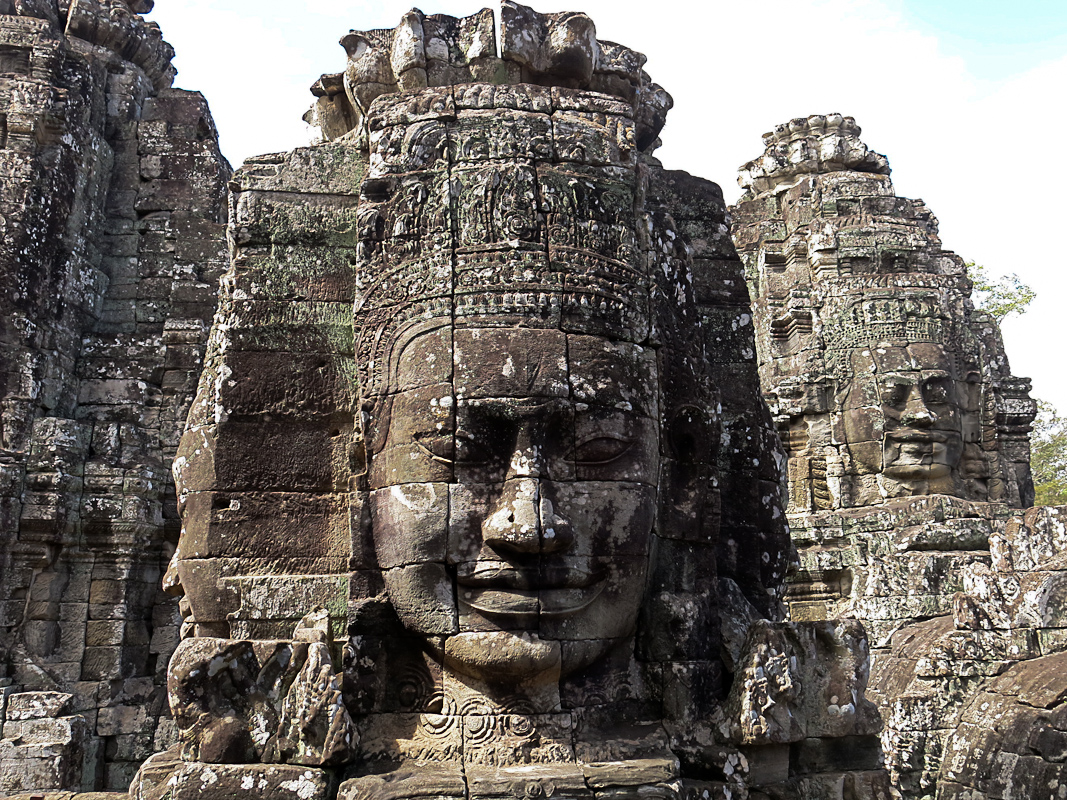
<point>920,436</point>
<point>497,602</point>
<point>546,602</point>
<point>499,576</point>
<point>557,591</point>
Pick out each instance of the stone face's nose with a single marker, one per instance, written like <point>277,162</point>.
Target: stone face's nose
<point>172,582</point>
<point>524,521</point>
<point>916,413</point>
<point>515,524</point>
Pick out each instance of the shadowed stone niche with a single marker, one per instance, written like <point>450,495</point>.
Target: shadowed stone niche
<point>479,495</point>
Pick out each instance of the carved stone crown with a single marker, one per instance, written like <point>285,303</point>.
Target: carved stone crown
<point>439,50</point>
<point>512,204</point>
<point>886,319</point>
<point>818,144</point>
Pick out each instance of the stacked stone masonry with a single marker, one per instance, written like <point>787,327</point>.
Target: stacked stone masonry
<point>475,442</point>
<point>112,212</point>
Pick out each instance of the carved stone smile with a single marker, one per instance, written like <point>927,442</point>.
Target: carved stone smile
<point>545,602</point>
<point>498,575</point>
<point>919,436</point>
<point>500,590</point>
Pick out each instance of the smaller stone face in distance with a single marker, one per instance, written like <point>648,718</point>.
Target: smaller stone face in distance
<point>905,415</point>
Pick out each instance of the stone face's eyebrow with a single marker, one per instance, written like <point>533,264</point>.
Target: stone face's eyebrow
<point>900,378</point>
<point>518,406</point>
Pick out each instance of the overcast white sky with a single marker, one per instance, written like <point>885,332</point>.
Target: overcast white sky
<point>966,97</point>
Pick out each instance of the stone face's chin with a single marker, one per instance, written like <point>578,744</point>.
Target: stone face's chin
<point>523,657</point>
<point>919,455</point>
<point>495,655</point>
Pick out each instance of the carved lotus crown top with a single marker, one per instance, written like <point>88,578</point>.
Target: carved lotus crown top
<point>440,50</point>
<point>818,144</point>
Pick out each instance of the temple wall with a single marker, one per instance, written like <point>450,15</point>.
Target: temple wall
<point>113,214</point>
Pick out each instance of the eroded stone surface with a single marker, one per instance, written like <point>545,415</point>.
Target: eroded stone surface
<point>940,683</point>
<point>271,702</point>
<point>112,215</point>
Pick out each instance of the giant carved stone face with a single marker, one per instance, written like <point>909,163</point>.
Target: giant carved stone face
<point>906,416</point>
<point>513,398</point>
<point>522,440</point>
<point>513,506</point>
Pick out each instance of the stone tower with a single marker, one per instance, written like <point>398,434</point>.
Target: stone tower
<point>112,214</point>
<point>884,379</point>
<point>908,467</point>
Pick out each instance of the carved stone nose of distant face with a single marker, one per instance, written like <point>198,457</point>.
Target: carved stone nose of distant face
<point>524,521</point>
<point>172,582</point>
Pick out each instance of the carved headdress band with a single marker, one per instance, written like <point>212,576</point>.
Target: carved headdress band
<point>884,319</point>
<point>543,233</point>
<point>895,321</point>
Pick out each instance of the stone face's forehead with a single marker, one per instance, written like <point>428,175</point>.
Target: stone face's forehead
<point>928,356</point>
<point>425,359</point>
<point>911,358</point>
<point>510,362</point>
<point>615,374</point>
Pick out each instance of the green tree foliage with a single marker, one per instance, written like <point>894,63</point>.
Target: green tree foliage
<point>1048,456</point>
<point>1002,296</point>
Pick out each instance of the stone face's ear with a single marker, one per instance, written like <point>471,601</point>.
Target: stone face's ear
<point>688,499</point>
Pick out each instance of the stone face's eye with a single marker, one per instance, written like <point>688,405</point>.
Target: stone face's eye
<point>936,392</point>
<point>895,394</point>
<point>601,450</point>
<point>470,451</point>
<point>462,448</point>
